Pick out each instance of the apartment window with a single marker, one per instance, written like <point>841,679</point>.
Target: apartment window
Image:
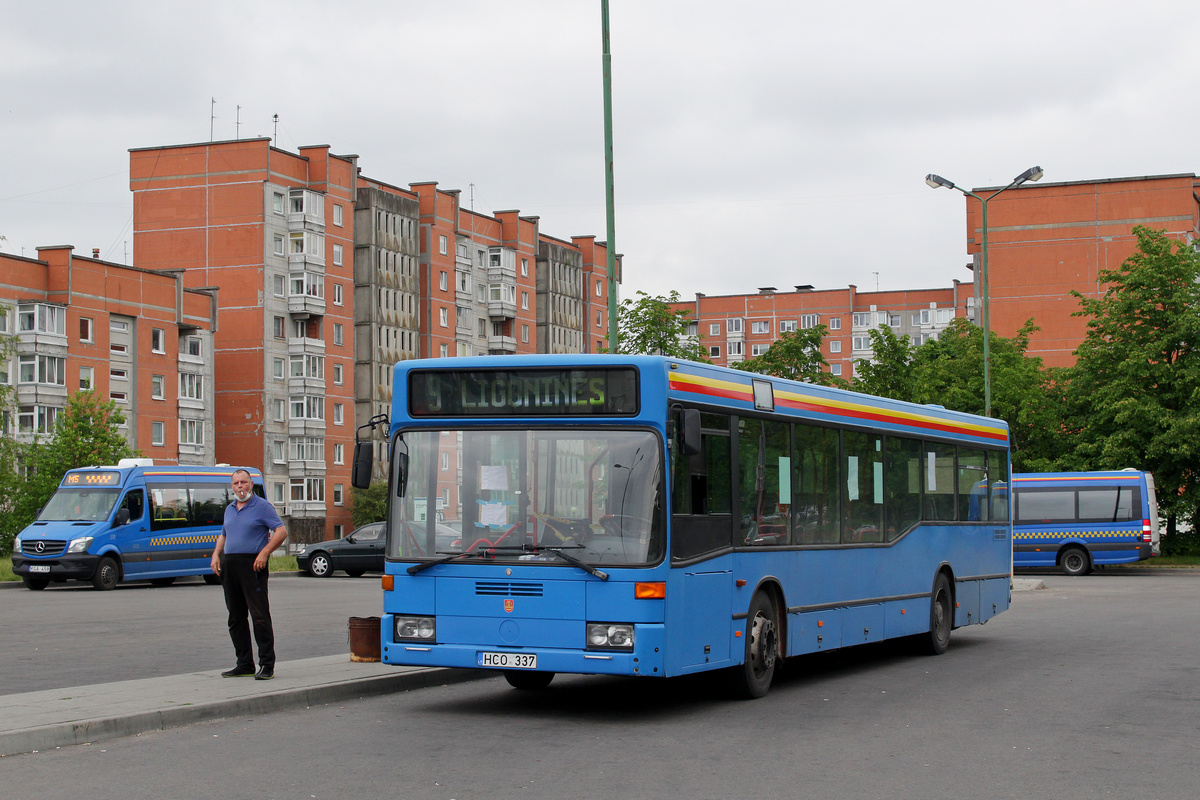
<point>191,431</point>
<point>158,340</point>
<point>278,285</point>
<point>277,244</point>
<point>339,453</point>
<point>280,328</point>
<point>41,318</point>
<point>278,408</point>
<point>482,327</point>
<point>599,288</point>
<point>734,325</point>
<point>524,267</point>
<point>714,351</point>
<point>157,434</point>
<point>787,325</point>
<point>444,350</point>
<point>308,406</point>
<point>760,327</point>
<point>85,328</point>
<point>442,244</point>
<point>464,282</point>
<point>835,324</point>
<point>310,490</point>
<point>599,320</point>
<point>503,293</point>
<point>277,202</point>
<point>47,370</point>
<point>836,369</point>
<point>445,461</point>
<point>692,329</point>
<point>444,317</point>
<point>277,493</point>
<point>87,379</point>
<point>36,419</point>
<point>337,215</point>
<point>735,348</point>
<point>757,350</point>
<point>338,413</point>
<point>308,366</point>
<point>118,374</point>
<point>337,494</point>
<point>443,280</point>
<point>192,346</point>
<point>118,349</point>
<point>337,374</point>
<point>944,315</point>
<point>861,319</point>
<point>277,453</point>
<point>158,387</point>
<point>525,300</point>
<point>306,448</point>
<point>809,321</point>
<point>861,342</point>
<point>338,338</point>
<point>524,334</point>
<point>921,317</point>
<point>277,368</point>
<point>893,320</point>
<point>191,386</point>
<point>714,329</point>
<point>835,346</point>
<point>337,294</point>
<point>337,255</point>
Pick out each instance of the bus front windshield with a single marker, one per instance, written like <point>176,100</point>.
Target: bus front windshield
<point>80,504</point>
<point>522,495</point>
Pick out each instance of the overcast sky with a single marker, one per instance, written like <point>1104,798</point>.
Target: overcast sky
<point>771,143</point>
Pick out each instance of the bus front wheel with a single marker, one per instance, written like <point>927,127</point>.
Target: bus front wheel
<point>753,677</point>
<point>107,575</point>
<point>528,681</point>
<point>1075,561</point>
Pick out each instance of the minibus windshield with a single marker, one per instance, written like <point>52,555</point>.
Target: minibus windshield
<point>80,505</point>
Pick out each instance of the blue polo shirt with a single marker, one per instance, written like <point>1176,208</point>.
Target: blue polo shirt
<point>249,530</point>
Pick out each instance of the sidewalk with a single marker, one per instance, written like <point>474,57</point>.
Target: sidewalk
<point>84,714</point>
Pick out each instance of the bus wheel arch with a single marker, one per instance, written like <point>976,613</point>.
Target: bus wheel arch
<point>1074,560</point>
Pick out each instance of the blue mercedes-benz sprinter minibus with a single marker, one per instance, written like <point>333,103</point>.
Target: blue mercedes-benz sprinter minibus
<point>131,522</point>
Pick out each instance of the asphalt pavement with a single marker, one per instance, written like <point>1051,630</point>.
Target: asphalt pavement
<point>43,720</point>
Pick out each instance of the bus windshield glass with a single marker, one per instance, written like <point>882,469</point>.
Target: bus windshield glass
<point>522,494</point>
<point>80,504</point>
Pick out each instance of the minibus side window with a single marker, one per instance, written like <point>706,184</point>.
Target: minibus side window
<point>169,506</point>
<point>134,502</point>
<point>208,503</point>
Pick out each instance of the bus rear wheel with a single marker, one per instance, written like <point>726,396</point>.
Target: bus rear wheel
<point>1075,561</point>
<point>528,681</point>
<point>107,575</point>
<point>753,677</point>
<point>941,618</point>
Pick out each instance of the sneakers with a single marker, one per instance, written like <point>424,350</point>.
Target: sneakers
<point>238,672</point>
<point>265,674</point>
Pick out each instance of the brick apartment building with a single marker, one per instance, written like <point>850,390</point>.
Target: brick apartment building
<point>737,327</point>
<point>138,337</point>
<point>327,278</point>
<point>1047,239</point>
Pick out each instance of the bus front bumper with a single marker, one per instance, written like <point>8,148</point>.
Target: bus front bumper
<point>77,566</point>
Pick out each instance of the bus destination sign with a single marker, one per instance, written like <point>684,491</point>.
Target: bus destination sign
<point>601,391</point>
<point>92,479</point>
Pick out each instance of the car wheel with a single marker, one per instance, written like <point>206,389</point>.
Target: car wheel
<point>528,681</point>
<point>35,584</point>
<point>106,575</point>
<point>1075,561</point>
<point>319,565</point>
<point>356,573</point>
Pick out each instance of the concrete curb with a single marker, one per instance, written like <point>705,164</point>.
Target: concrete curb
<point>85,731</point>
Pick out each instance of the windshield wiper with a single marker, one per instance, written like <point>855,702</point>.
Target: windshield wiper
<point>558,551</point>
<point>415,568</point>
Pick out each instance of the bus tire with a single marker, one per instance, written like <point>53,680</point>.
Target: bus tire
<point>1075,561</point>
<point>941,618</point>
<point>107,575</point>
<point>35,584</point>
<point>528,681</point>
<point>752,678</point>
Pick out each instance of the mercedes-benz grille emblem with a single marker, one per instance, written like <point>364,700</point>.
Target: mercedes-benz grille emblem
<point>39,547</point>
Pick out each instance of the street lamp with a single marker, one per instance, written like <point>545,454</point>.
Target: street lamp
<point>938,182</point>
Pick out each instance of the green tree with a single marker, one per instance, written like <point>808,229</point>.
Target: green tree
<point>369,505</point>
<point>889,371</point>
<point>1134,392</point>
<point>85,434</point>
<point>796,355</point>
<point>650,326</point>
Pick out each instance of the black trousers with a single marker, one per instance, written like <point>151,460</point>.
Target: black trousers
<point>246,593</point>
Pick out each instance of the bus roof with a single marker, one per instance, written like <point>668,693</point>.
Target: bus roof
<point>1082,478</point>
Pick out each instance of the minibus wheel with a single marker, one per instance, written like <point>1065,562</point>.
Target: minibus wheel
<point>1075,561</point>
<point>35,584</point>
<point>107,574</point>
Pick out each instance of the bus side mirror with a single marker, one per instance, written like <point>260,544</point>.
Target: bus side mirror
<point>364,463</point>
<point>689,431</point>
<point>122,517</point>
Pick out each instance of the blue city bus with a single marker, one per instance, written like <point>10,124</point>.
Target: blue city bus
<point>1079,520</point>
<point>131,522</point>
<point>642,515</point>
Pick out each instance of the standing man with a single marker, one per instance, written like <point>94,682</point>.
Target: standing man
<point>252,531</point>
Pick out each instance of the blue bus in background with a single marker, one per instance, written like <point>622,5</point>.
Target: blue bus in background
<point>1079,520</point>
<point>642,515</point>
<point>129,522</point>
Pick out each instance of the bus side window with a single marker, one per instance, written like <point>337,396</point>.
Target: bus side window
<point>135,501</point>
<point>208,502</point>
<point>701,492</point>
<point>938,476</point>
<point>972,484</point>
<point>169,506</point>
<point>816,498</point>
<point>998,485</point>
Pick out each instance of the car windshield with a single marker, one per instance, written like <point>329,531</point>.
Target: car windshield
<point>80,504</point>
<point>596,494</point>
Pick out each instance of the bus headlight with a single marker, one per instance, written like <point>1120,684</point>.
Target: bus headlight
<point>610,636</point>
<point>421,629</point>
<point>80,545</point>
<point>17,546</point>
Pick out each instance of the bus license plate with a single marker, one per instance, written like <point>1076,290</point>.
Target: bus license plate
<point>507,660</point>
<point>39,567</point>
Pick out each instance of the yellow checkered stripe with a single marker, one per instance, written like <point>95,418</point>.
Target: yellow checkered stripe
<point>1088,535</point>
<point>170,540</point>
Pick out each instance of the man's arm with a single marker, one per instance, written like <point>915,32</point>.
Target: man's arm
<point>218,549</point>
<point>277,537</point>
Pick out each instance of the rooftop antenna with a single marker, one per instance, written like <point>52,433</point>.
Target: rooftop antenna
<point>275,137</point>
<point>237,125</point>
<point>876,274</point>
<point>472,195</point>
<point>212,115</point>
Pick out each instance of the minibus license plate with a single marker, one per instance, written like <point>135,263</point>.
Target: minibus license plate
<point>507,660</point>
<point>39,567</point>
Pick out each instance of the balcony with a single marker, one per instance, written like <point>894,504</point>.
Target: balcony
<point>303,345</point>
<point>302,306</point>
<point>502,344</point>
<point>306,209</point>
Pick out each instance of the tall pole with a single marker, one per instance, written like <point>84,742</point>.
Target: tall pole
<point>611,243</point>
